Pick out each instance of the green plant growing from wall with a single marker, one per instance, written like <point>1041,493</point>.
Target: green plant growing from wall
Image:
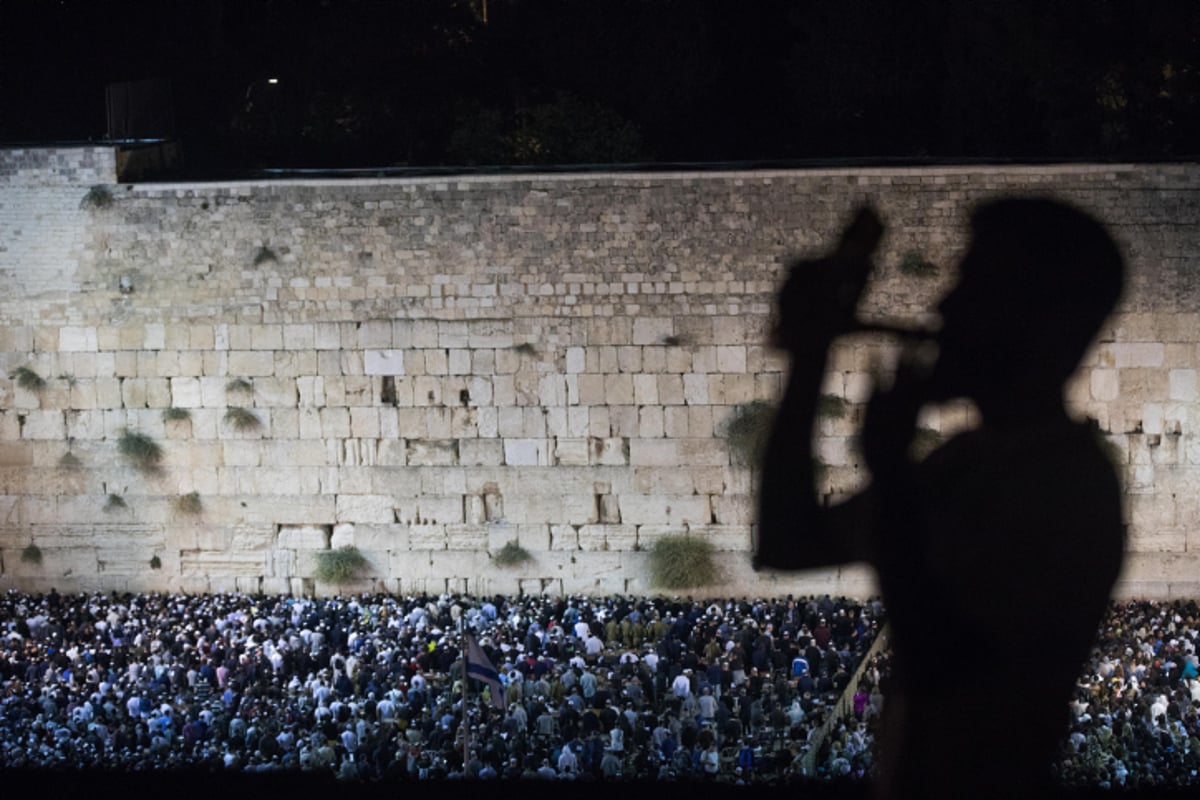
<point>28,380</point>
<point>31,554</point>
<point>925,441</point>
<point>681,562</point>
<point>242,420</point>
<point>68,379</point>
<point>69,461</point>
<point>97,197</point>
<point>913,263</point>
<point>155,562</point>
<point>263,255</point>
<point>341,565</point>
<point>512,555</point>
<point>747,429</point>
<point>188,504</point>
<point>525,349</point>
<point>240,385</point>
<point>114,502</point>
<point>831,406</point>
<point>142,452</point>
<point>176,414</point>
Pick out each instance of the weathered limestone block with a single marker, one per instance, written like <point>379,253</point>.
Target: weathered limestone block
<point>467,537</point>
<point>427,537</point>
<point>580,509</point>
<point>654,452</point>
<point>432,452</point>
<point>652,330</point>
<point>440,510</point>
<point>612,451</point>
<point>302,537</point>
<point>44,424</point>
<point>227,564</point>
<point>699,452</point>
<point>365,508</point>
<point>726,538</point>
<point>534,538</point>
<point>564,537</point>
<point>480,452</point>
<point>527,452</point>
<point>664,509</point>
<point>383,362</point>
<point>251,363</point>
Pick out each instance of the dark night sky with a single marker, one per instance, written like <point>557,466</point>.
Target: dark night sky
<point>428,82</point>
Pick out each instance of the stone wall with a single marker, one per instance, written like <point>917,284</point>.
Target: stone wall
<point>437,367</point>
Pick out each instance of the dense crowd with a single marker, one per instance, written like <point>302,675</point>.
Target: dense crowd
<point>1135,717</point>
<point>371,687</point>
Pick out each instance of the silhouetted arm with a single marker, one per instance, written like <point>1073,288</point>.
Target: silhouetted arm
<point>795,530</point>
<point>817,304</point>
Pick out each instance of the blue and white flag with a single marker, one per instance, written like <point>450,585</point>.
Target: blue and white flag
<point>480,667</point>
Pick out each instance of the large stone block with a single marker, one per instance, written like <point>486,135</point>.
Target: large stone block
<point>365,508</point>
<point>664,509</point>
<point>303,537</point>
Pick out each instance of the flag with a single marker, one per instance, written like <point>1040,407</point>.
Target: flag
<point>480,667</point>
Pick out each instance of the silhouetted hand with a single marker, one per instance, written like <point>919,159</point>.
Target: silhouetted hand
<point>819,298</point>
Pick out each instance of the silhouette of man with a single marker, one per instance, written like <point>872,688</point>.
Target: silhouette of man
<point>997,553</point>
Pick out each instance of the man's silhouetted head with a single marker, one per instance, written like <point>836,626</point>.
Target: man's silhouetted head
<point>1037,282</point>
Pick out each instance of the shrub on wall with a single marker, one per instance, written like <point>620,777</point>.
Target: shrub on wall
<point>242,419</point>
<point>512,555</point>
<point>913,263</point>
<point>681,562</point>
<point>97,197</point>
<point>747,430</point>
<point>176,414</point>
<point>188,504</point>
<point>142,452</point>
<point>29,380</point>
<point>341,565</point>
<point>32,554</point>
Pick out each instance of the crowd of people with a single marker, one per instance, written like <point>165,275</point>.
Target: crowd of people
<point>1135,717</point>
<point>371,687</point>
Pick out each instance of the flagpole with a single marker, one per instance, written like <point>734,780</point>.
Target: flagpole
<point>465,678</point>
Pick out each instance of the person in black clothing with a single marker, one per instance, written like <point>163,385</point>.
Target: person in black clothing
<point>1014,522</point>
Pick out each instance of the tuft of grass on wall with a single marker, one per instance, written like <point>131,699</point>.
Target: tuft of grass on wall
<point>682,562</point>
<point>69,461</point>
<point>141,451</point>
<point>830,406</point>
<point>155,562</point>
<point>176,414</point>
<point>114,502</point>
<point>263,255</point>
<point>747,430</point>
<point>925,441</point>
<point>242,420</point>
<point>525,349</point>
<point>240,385</point>
<point>913,263</point>
<point>31,554</point>
<point>341,565</point>
<point>188,504</point>
<point>512,555</point>
<point>29,380</point>
<point>97,197</point>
